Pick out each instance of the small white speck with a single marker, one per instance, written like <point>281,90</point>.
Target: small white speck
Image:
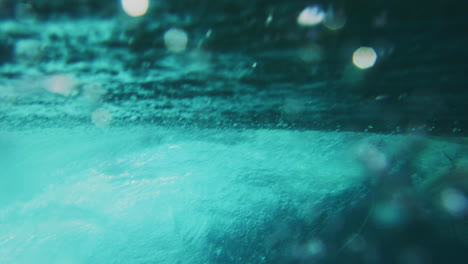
<point>208,33</point>
<point>269,19</point>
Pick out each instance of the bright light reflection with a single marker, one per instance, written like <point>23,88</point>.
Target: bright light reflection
<point>135,8</point>
<point>364,57</point>
<point>311,16</point>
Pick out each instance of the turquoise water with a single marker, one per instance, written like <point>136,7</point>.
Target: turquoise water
<point>162,195</point>
<point>233,132</point>
<point>158,195</point>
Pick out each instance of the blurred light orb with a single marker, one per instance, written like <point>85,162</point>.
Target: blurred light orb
<point>316,248</point>
<point>311,16</point>
<point>62,84</point>
<point>455,202</point>
<point>311,53</point>
<point>334,20</point>
<point>364,57</point>
<point>101,117</point>
<point>92,93</point>
<point>388,214</point>
<point>176,40</point>
<point>28,49</point>
<point>373,158</point>
<point>135,8</point>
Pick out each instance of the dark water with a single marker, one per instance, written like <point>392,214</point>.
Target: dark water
<point>233,131</point>
<point>245,63</point>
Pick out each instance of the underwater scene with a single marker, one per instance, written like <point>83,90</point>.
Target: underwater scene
<point>233,131</point>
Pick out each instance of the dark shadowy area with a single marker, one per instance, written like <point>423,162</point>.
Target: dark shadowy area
<point>260,69</point>
<point>421,231</point>
<point>389,218</point>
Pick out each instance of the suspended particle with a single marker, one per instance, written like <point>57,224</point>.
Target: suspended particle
<point>311,16</point>
<point>135,8</point>
<point>268,20</point>
<point>364,57</point>
<point>208,34</point>
<point>382,97</point>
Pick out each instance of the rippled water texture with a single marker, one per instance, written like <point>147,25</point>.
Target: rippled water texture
<point>155,195</point>
<point>161,195</point>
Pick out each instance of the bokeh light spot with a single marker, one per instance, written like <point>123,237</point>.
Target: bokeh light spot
<point>92,93</point>
<point>62,84</point>
<point>334,20</point>
<point>101,117</point>
<point>315,248</point>
<point>135,8</point>
<point>364,57</point>
<point>455,202</point>
<point>311,16</point>
<point>373,159</point>
<point>176,40</point>
<point>311,53</point>
<point>388,214</point>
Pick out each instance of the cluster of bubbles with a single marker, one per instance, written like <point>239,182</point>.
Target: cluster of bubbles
<point>175,39</point>
<point>90,94</point>
<point>363,57</point>
<point>67,85</point>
